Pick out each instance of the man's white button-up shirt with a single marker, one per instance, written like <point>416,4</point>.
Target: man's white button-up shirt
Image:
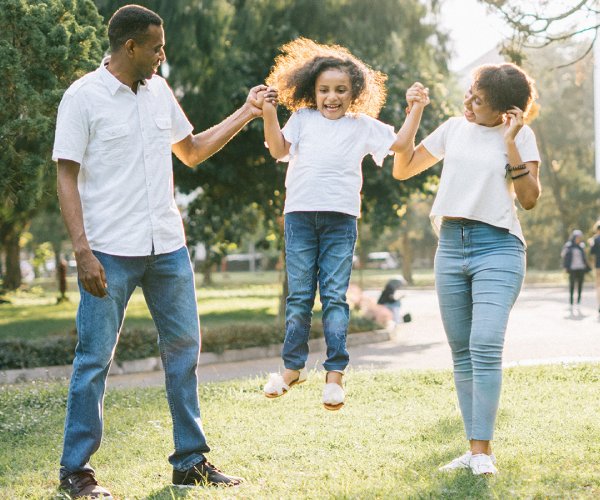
<point>122,141</point>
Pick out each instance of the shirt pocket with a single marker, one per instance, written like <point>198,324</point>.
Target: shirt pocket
<point>115,142</point>
<point>161,134</point>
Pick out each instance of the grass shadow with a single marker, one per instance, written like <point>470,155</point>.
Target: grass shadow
<point>170,493</point>
<point>460,484</point>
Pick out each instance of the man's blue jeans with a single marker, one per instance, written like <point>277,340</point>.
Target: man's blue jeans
<point>319,248</point>
<point>167,281</point>
<point>479,270</point>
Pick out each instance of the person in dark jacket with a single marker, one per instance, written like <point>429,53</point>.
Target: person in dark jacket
<point>390,298</point>
<point>595,254</point>
<point>575,263</point>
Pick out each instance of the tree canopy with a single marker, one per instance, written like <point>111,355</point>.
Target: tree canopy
<point>218,49</point>
<point>546,22</point>
<point>44,46</point>
<point>565,133</point>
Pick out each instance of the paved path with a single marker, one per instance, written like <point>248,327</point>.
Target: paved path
<point>541,329</point>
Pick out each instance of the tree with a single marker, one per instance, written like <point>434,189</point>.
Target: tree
<point>546,22</point>
<point>564,129</point>
<point>549,39</point>
<point>44,46</point>
<point>223,47</point>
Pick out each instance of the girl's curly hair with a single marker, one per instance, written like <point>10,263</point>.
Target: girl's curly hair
<point>302,60</point>
<point>505,85</point>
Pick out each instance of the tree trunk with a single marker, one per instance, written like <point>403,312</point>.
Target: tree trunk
<point>555,184</point>
<point>407,257</point>
<point>207,272</point>
<point>57,249</point>
<point>284,293</point>
<point>12,275</point>
<point>363,257</point>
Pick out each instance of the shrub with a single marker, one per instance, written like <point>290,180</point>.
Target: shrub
<point>139,344</point>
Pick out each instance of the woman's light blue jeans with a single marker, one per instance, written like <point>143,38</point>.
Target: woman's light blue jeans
<point>479,270</point>
<point>167,281</point>
<point>319,247</point>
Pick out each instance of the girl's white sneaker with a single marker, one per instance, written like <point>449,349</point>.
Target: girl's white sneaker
<point>482,464</point>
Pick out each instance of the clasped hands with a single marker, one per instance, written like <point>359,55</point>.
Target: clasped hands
<point>259,95</point>
<point>417,94</point>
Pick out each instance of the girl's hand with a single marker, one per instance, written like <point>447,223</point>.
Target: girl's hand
<point>271,97</point>
<point>514,122</point>
<point>417,94</point>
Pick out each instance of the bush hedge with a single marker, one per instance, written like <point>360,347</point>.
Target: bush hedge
<point>139,344</point>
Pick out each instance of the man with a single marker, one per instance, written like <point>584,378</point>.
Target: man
<point>115,131</point>
<point>595,252</point>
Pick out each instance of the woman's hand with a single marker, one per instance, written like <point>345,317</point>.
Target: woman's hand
<point>514,122</point>
<point>417,94</point>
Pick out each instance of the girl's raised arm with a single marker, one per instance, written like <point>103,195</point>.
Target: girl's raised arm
<point>408,160</point>
<point>278,146</point>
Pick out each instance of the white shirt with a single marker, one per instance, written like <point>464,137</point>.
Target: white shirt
<point>122,142</point>
<point>473,184</point>
<point>325,160</point>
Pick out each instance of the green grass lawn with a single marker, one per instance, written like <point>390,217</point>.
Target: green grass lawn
<point>35,314</point>
<point>396,429</point>
<point>235,297</point>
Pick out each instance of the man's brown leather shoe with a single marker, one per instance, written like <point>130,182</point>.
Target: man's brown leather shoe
<point>84,484</point>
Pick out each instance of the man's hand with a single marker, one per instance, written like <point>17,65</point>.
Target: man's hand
<point>255,101</point>
<point>91,273</point>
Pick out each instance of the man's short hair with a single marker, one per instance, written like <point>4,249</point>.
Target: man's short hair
<point>130,22</point>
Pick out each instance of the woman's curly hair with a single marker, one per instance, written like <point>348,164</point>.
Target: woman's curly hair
<point>302,60</point>
<point>505,85</point>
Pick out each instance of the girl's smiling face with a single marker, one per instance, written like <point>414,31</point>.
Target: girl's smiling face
<point>477,110</point>
<point>333,93</point>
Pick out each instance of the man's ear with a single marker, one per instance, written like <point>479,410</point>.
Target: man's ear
<point>129,46</point>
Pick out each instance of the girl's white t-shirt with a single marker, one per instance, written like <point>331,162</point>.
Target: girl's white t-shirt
<point>325,159</point>
<point>473,184</point>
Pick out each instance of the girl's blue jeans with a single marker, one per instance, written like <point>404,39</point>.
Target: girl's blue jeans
<point>167,281</point>
<point>479,270</point>
<point>319,249</point>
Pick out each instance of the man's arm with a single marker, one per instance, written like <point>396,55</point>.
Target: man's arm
<point>195,149</point>
<point>89,270</point>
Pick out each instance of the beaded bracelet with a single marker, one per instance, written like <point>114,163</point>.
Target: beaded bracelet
<point>520,175</point>
<point>509,168</point>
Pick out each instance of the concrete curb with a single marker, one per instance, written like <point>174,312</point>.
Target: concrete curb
<point>206,358</point>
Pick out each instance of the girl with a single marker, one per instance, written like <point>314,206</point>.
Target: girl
<point>334,98</point>
<point>489,157</point>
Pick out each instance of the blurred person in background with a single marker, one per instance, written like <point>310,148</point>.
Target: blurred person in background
<point>575,264</point>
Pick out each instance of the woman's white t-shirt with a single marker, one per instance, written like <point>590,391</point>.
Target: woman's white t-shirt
<point>473,184</point>
<point>325,160</point>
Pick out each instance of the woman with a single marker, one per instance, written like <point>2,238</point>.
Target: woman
<point>490,156</point>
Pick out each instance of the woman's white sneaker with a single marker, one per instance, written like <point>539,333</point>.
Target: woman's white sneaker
<point>461,462</point>
<point>482,464</point>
